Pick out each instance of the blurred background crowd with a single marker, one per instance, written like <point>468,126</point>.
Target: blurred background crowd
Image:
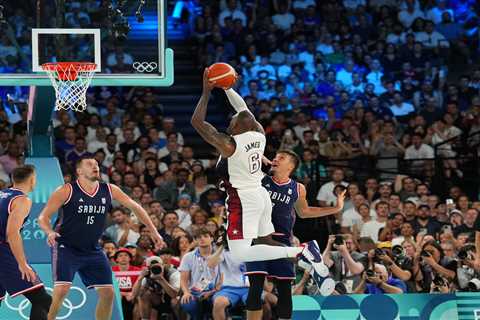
<point>381,97</point>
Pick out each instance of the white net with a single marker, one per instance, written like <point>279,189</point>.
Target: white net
<point>70,81</point>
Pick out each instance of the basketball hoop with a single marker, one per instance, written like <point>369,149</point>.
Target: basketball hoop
<point>70,81</point>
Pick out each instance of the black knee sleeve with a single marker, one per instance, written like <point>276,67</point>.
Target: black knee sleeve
<point>254,299</point>
<point>284,305</point>
<point>40,301</point>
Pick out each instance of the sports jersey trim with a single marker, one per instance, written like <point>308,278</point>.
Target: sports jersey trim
<point>54,262</point>
<point>70,192</point>
<point>2,297</point>
<point>61,283</point>
<point>11,202</point>
<point>100,286</point>
<point>27,290</point>
<point>110,190</point>
<point>89,194</point>
<point>281,184</point>
<point>234,218</point>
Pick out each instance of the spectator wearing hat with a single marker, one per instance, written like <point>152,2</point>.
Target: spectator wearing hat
<point>424,223</point>
<point>184,203</point>
<point>158,287</point>
<point>126,275</point>
<point>167,193</point>
<point>468,225</point>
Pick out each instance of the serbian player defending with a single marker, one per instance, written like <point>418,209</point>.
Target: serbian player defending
<point>82,208</point>
<point>288,196</point>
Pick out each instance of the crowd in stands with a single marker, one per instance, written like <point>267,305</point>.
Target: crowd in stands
<point>363,91</point>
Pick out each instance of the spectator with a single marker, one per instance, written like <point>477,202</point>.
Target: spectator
<point>380,282</point>
<point>109,248</point>
<point>78,152</point>
<point>346,265</point>
<point>408,15</point>
<point>372,228</point>
<point>168,192</point>
<point>11,159</point>
<point>283,19</point>
<point>122,230</point>
<point>169,222</point>
<point>158,287</point>
<point>233,13</point>
<point>325,195</point>
<point>197,280</point>
<point>420,154</point>
<point>468,225</point>
<point>183,211</point>
<point>126,276</point>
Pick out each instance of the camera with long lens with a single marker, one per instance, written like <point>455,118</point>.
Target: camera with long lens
<point>378,253</point>
<point>339,240</point>
<point>473,285</point>
<point>425,254</point>
<point>370,273</point>
<point>154,269</point>
<point>464,253</point>
<point>400,258</point>
<point>439,281</point>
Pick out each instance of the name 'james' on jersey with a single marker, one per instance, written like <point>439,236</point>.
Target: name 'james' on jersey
<point>242,170</point>
<point>81,219</point>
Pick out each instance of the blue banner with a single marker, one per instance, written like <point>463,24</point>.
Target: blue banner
<point>80,303</point>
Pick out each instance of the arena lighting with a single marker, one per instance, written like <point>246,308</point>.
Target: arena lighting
<point>120,25</point>
<point>139,12</point>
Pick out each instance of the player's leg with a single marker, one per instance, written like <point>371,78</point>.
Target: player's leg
<point>41,301</point>
<point>64,267</point>
<point>284,305</point>
<point>95,272</point>
<point>105,303</point>
<point>254,299</point>
<point>60,292</point>
<point>248,210</point>
<point>12,282</point>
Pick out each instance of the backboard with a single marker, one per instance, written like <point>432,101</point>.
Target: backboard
<point>126,39</point>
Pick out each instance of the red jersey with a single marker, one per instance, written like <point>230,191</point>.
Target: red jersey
<point>126,279</point>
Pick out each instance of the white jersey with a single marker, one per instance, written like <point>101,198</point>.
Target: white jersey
<point>243,169</point>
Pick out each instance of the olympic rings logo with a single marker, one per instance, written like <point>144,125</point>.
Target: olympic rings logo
<point>144,66</point>
<point>22,307</point>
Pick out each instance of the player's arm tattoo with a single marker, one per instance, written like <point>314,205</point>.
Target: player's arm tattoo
<point>224,143</point>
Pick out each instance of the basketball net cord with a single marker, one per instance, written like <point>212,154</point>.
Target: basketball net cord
<point>70,81</point>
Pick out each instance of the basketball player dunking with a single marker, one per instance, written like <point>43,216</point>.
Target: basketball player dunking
<point>83,206</point>
<point>16,276</point>
<point>248,203</point>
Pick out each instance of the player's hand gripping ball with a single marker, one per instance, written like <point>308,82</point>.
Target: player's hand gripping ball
<point>222,75</point>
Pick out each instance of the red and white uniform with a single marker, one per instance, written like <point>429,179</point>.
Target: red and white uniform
<point>248,203</point>
<point>126,279</point>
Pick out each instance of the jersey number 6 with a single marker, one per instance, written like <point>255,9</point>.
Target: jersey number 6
<point>254,162</point>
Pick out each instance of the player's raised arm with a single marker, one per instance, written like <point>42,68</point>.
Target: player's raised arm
<point>20,207</point>
<point>55,202</point>
<point>305,211</point>
<point>222,142</point>
<point>240,105</point>
<point>126,201</point>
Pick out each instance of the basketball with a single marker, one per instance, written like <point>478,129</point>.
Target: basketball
<point>222,75</point>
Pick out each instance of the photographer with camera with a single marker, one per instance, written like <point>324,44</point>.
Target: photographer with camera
<point>345,263</point>
<point>157,287</point>
<point>398,264</point>
<point>430,263</point>
<point>466,274</point>
<point>379,280</point>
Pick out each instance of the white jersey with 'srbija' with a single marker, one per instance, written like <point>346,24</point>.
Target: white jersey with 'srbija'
<point>244,166</point>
